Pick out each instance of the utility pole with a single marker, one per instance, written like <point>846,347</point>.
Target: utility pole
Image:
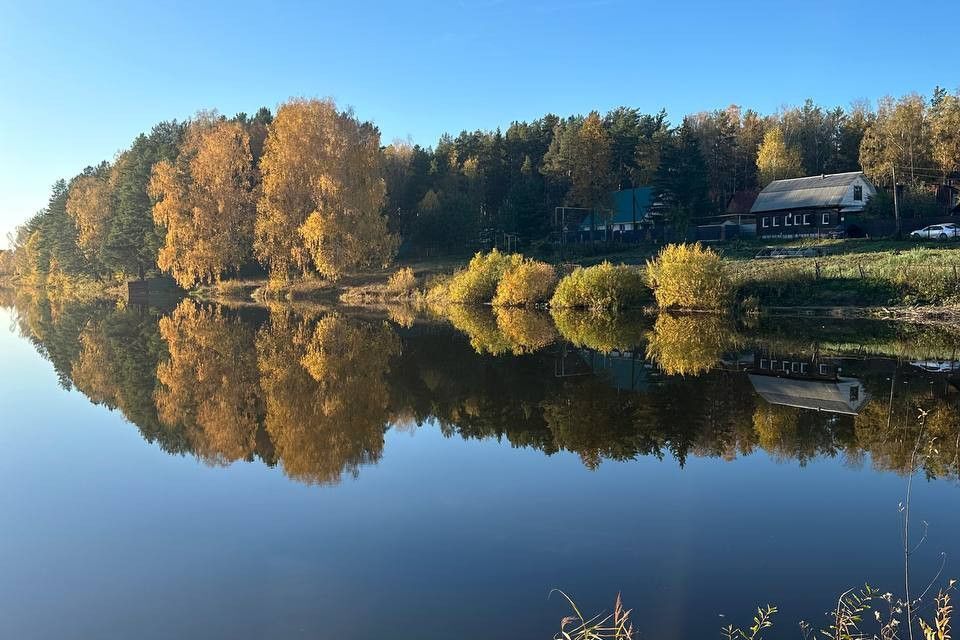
<point>896,203</point>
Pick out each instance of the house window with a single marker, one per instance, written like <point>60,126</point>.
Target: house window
<point>795,367</point>
<point>776,221</point>
<point>766,222</point>
<point>825,219</point>
<point>804,367</point>
<point>824,370</point>
<point>788,220</point>
<point>806,219</point>
<point>858,193</point>
<point>786,366</point>
<point>764,364</point>
<point>854,394</point>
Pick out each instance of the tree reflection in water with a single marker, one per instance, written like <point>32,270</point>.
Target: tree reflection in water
<point>315,393</point>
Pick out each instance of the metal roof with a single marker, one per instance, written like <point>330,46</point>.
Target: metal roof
<point>813,192</point>
<point>807,394</point>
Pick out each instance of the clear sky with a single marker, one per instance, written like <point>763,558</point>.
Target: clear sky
<point>78,80</point>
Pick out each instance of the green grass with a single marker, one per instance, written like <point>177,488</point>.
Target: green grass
<point>854,273</point>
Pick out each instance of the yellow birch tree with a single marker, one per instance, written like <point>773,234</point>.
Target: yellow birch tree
<point>206,202</point>
<point>322,194</point>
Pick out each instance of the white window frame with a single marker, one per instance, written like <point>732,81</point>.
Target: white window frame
<point>806,219</point>
<point>857,190</point>
<point>825,218</point>
<point>775,221</point>
<point>764,364</point>
<point>788,220</point>
<point>765,222</point>
<point>823,370</point>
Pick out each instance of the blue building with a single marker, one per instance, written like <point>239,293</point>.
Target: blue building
<point>633,210</point>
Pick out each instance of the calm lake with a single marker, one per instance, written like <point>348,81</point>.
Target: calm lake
<point>205,472</point>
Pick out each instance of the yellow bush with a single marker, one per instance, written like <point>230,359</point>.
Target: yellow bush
<point>438,288</point>
<point>478,282</point>
<point>402,284</point>
<point>689,276</point>
<point>603,286</point>
<point>529,282</point>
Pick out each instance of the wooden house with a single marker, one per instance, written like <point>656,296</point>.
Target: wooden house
<point>812,206</point>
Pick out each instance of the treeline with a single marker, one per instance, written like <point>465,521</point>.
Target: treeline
<point>313,190</point>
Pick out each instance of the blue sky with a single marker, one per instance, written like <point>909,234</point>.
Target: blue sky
<point>79,80</point>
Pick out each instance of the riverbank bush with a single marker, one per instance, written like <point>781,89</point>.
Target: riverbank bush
<point>478,282</point>
<point>603,286</point>
<point>402,284</point>
<point>690,277</point>
<point>527,283</point>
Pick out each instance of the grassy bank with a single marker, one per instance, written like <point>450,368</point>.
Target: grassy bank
<point>863,275</point>
<point>893,279</point>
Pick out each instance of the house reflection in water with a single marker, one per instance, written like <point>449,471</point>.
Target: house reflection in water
<point>806,383</point>
<point>625,370</point>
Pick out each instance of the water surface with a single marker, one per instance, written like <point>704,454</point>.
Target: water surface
<point>213,473</point>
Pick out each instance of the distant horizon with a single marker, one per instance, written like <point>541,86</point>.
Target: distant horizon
<point>80,84</point>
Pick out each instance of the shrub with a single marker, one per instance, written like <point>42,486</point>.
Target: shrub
<point>529,282</point>
<point>478,282</point>
<point>689,276</point>
<point>603,286</point>
<point>402,284</point>
<point>437,287</point>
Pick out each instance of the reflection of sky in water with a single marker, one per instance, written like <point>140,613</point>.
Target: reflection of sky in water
<point>106,536</point>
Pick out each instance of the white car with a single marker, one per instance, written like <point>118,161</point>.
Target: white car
<point>937,232</point>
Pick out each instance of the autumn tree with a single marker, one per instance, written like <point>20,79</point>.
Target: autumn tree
<point>775,160</point>
<point>945,133</point>
<point>322,194</point>
<point>897,140</point>
<point>204,199</point>
<point>90,204</point>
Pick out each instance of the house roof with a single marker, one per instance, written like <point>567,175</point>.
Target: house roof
<point>819,395</point>
<point>623,206</point>
<point>813,192</point>
<point>741,202</point>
